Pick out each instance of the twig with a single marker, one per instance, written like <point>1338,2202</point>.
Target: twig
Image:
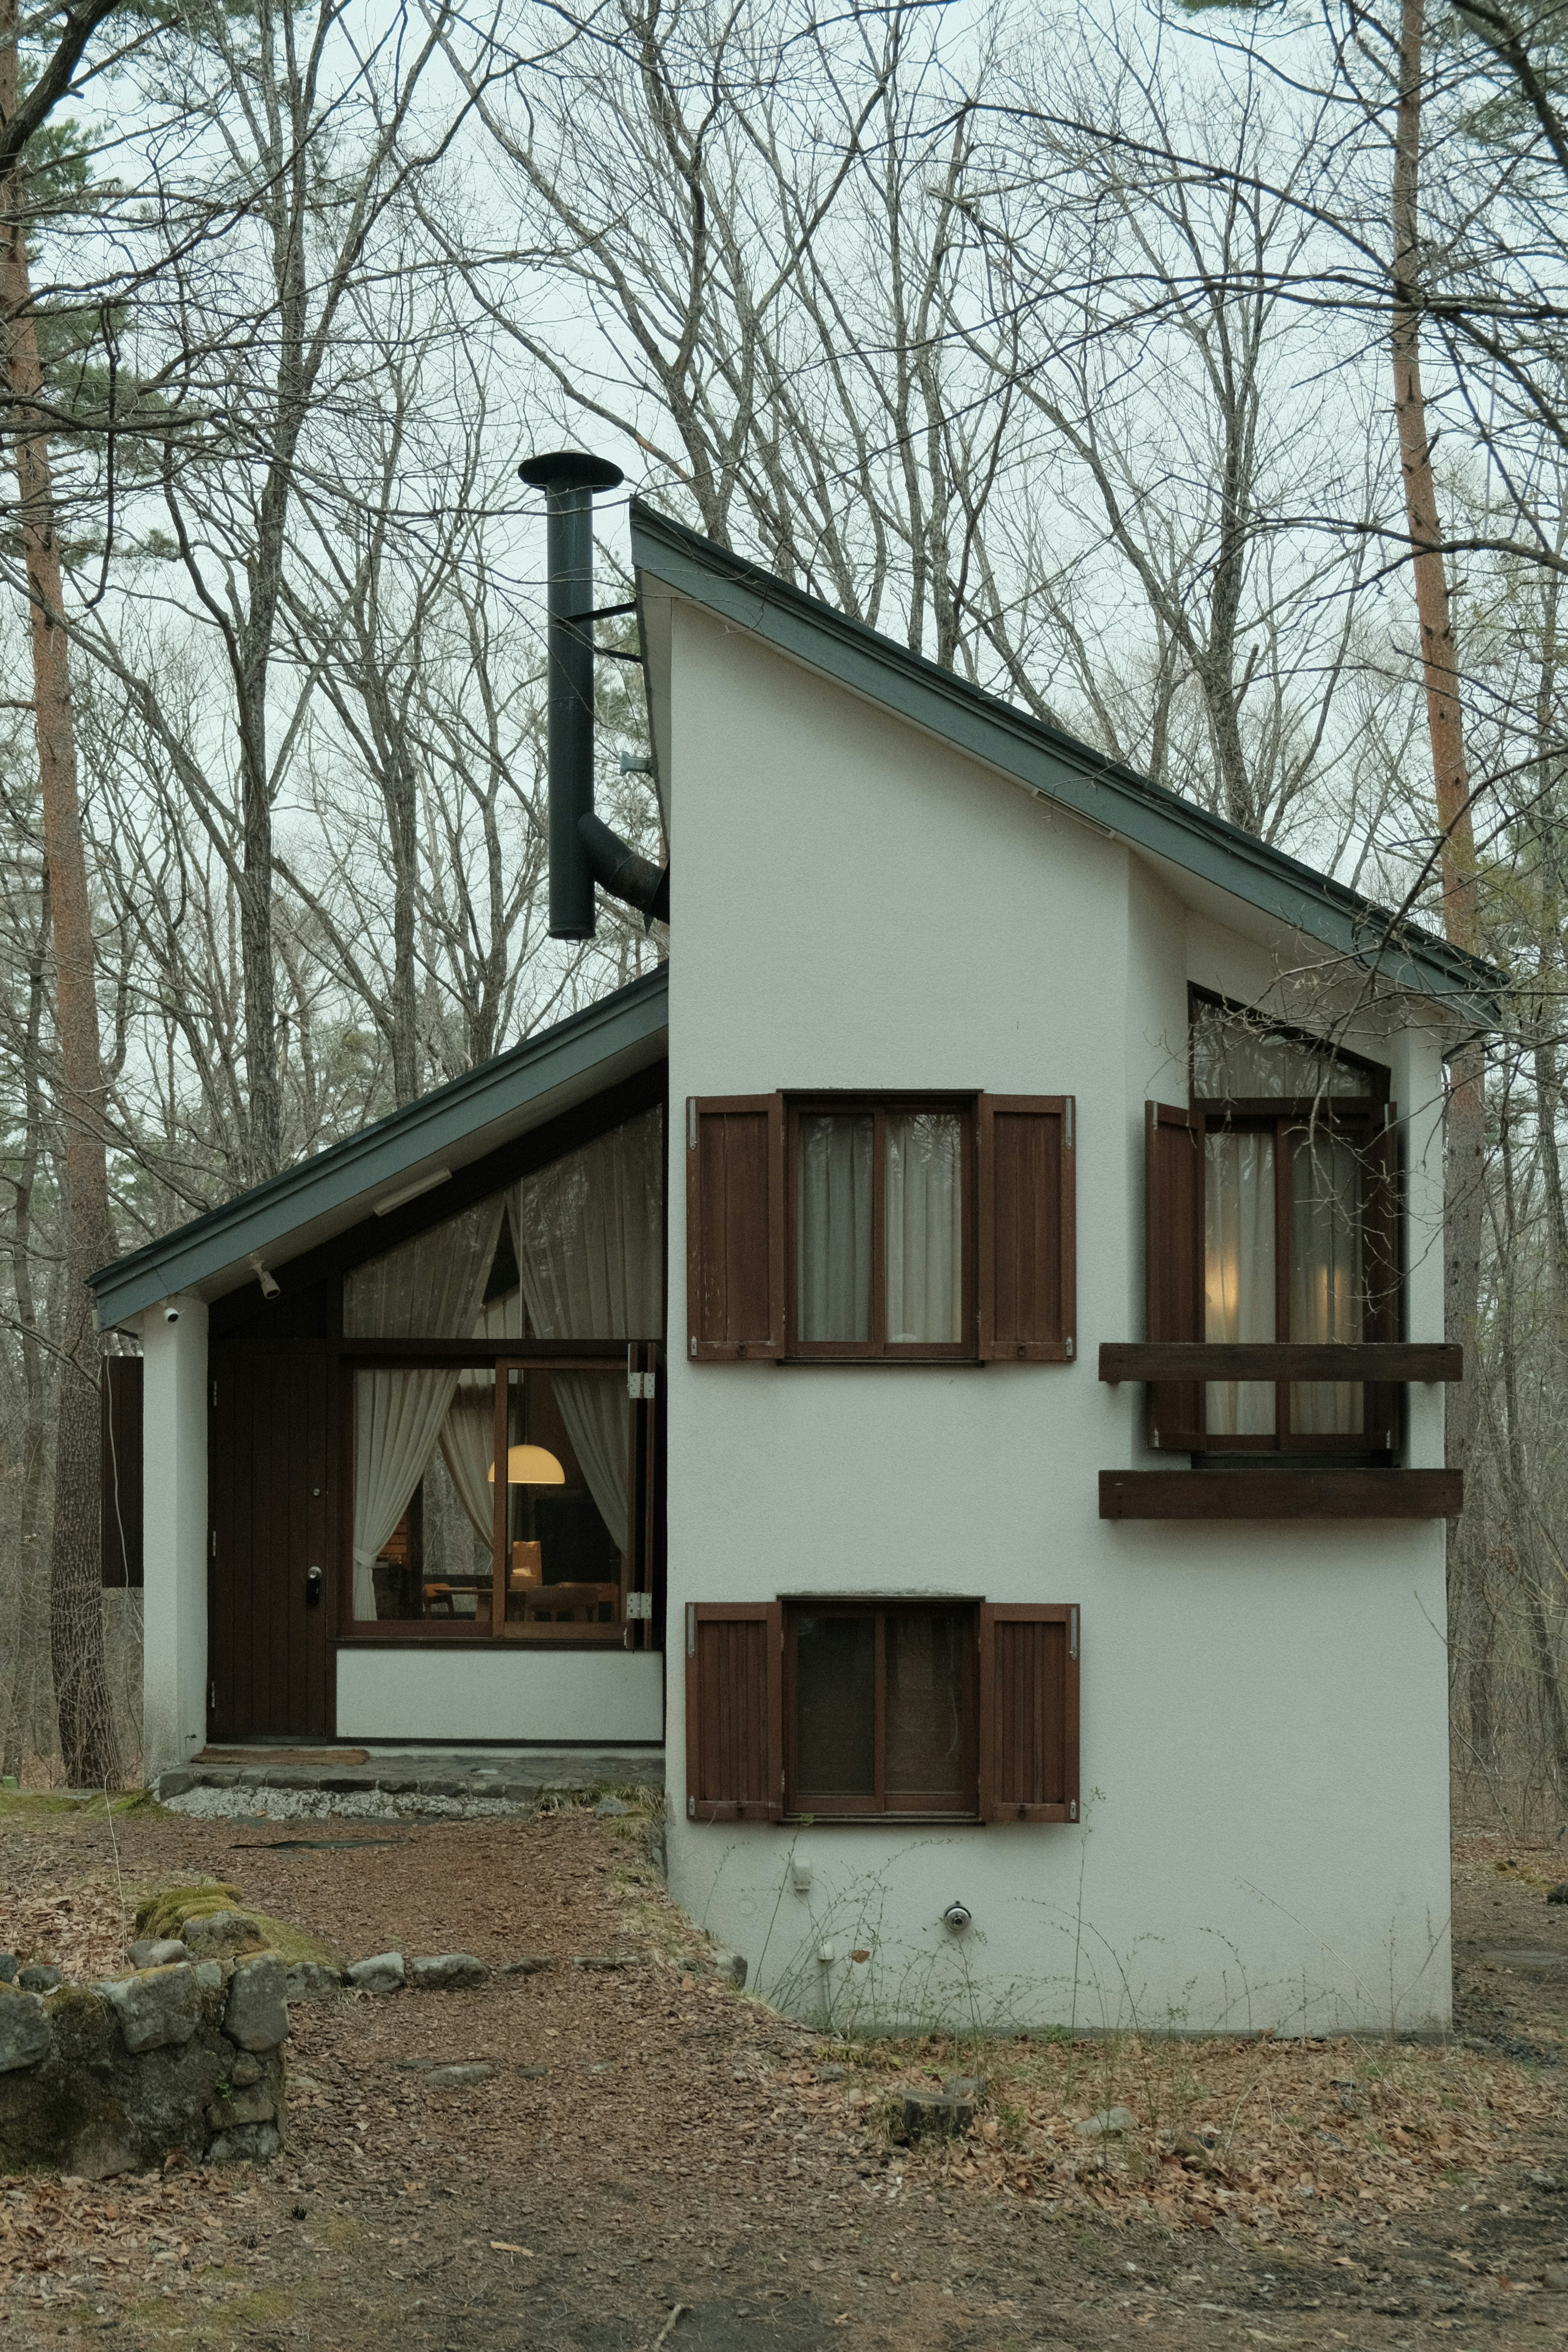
<point>114,1845</point>
<point>679,2312</point>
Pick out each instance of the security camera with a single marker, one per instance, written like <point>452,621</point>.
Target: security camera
<point>171,1315</point>
<point>955,1918</point>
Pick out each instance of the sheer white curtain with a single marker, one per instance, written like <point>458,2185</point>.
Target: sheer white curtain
<point>834,1245</point>
<point>468,1432</point>
<point>429,1289</point>
<point>924,1227</point>
<point>1325,1273</point>
<point>1239,1272</point>
<point>588,1231</point>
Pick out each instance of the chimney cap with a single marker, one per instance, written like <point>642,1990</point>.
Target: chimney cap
<point>571,469</point>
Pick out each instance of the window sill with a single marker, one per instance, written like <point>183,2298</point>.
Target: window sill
<point>1280,1493</point>
<point>566,1637</point>
<point>882,1820</point>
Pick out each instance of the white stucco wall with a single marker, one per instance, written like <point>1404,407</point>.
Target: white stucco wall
<point>505,1694</point>
<point>174,1532</point>
<point>1264,1839</point>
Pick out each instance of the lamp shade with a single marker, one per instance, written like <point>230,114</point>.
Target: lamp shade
<point>530,1465</point>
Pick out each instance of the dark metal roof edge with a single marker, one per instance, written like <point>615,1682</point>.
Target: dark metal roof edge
<point>1046,760</point>
<point>376,1155</point>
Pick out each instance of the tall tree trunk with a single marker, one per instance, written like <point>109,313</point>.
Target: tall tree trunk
<point>76,1589</point>
<point>29,1651</point>
<point>1464,1138</point>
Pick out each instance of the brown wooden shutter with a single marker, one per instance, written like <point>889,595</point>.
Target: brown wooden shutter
<point>1027,1257</point>
<point>120,1476</point>
<point>1383,1269</point>
<point>1173,1262</point>
<point>735,1226</point>
<point>735,1711</point>
<point>1029,1712</point>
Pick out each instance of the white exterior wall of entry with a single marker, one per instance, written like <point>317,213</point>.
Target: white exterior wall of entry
<point>1263,1705</point>
<point>174,1532</point>
<point>606,1698</point>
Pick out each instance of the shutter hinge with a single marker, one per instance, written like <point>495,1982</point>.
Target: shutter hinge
<point>1072,1632</point>
<point>213,1696</point>
<point>1155,1115</point>
<point>691,1122</point>
<point>1154,1437</point>
<point>690,1629</point>
<point>639,1606</point>
<point>638,1384</point>
<point>1070,1346</point>
<point>1070,1122</point>
<point>214,1396</point>
<point>213,1550</point>
<point>1072,1809</point>
<point>694,1343</point>
<point>691,1809</point>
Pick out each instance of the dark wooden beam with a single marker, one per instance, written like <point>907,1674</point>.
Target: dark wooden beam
<point>1342,1359</point>
<point>1280,1493</point>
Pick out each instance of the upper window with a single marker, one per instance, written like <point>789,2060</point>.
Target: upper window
<point>1276,1188</point>
<point>881,1225</point>
<point>884,1229</point>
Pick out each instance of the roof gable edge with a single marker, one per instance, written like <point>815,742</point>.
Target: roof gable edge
<point>1080,780</point>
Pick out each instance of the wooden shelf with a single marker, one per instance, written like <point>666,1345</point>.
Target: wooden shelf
<point>1204,1360</point>
<point>1280,1493</point>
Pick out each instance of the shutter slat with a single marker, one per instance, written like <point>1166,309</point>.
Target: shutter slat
<point>1173,1263</point>
<point>1029,1712</point>
<point>1026,1257</point>
<point>735,1226</point>
<point>735,1767</point>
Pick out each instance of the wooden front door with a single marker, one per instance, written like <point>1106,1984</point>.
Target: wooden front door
<point>270,1456</point>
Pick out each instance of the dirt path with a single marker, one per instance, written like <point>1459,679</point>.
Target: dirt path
<point>649,2141</point>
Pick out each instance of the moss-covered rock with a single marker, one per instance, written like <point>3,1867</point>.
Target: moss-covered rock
<point>93,2109</point>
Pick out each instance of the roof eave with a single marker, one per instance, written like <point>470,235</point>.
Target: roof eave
<point>346,1177</point>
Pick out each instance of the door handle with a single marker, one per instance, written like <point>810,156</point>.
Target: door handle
<point>312,1587</point>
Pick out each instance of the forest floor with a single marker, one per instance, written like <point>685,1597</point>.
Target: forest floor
<point>657,2160</point>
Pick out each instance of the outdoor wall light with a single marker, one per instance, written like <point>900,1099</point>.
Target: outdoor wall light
<point>957,1916</point>
<point>529,1466</point>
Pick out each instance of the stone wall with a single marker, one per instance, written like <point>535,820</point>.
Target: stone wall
<point>111,2077</point>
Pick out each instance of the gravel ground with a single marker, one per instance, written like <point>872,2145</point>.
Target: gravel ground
<point>656,2161</point>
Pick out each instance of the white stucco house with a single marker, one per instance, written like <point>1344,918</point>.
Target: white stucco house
<point>966,1337</point>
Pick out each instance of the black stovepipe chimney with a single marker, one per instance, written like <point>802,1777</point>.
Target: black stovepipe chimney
<point>583,848</point>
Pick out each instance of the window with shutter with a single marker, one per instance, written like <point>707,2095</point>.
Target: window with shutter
<point>1027,1240</point>
<point>735,1755</point>
<point>1173,1261</point>
<point>1029,1712</point>
<point>735,1226</point>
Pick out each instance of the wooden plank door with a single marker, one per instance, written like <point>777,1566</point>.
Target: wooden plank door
<point>269,1622</point>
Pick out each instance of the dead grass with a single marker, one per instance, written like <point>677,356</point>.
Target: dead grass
<point>1285,2138</point>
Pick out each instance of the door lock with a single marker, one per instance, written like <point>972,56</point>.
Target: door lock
<point>312,1587</point>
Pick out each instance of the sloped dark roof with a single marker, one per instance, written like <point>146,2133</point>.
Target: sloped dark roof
<point>458,1122</point>
<point>1053,764</point>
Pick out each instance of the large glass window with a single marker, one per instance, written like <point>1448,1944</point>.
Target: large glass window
<point>882,1219</point>
<point>495,1497</point>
